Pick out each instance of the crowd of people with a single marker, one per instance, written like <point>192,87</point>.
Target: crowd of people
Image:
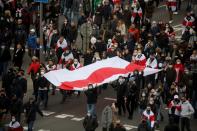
<point>107,28</point>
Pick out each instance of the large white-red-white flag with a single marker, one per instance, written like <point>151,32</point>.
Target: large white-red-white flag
<point>98,73</point>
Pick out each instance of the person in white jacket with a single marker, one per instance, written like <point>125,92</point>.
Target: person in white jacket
<point>151,63</point>
<point>186,112</point>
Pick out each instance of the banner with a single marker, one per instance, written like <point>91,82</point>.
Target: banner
<point>98,73</point>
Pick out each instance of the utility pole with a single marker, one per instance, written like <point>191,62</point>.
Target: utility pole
<point>41,29</point>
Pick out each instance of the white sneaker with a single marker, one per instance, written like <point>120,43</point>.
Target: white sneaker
<point>175,13</point>
<point>170,22</point>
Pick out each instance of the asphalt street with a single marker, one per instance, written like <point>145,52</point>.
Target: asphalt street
<point>69,116</point>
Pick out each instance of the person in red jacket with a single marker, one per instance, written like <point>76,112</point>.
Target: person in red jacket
<point>33,69</point>
<point>34,66</point>
<point>134,32</point>
<point>179,67</point>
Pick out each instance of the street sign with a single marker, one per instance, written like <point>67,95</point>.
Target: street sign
<point>42,1</point>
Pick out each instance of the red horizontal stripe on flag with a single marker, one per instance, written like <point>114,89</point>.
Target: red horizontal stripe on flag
<point>98,76</point>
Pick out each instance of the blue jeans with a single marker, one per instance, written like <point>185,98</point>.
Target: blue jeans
<point>92,109</point>
<point>30,125</point>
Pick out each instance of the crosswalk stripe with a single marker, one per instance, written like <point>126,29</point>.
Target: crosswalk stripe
<point>47,113</point>
<point>129,127</point>
<point>43,130</point>
<point>111,99</point>
<point>64,116</point>
<point>77,119</point>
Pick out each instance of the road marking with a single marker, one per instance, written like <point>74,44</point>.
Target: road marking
<point>111,99</point>
<point>77,119</point>
<point>47,113</point>
<point>129,127</point>
<point>43,130</point>
<point>166,108</point>
<point>25,128</point>
<point>64,116</point>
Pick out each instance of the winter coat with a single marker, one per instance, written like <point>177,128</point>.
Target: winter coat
<point>179,71</point>
<point>149,9</point>
<point>42,83</point>
<point>121,89</point>
<point>5,55</point>
<point>186,109</point>
<point>100,47</point>
<point>170,75</point>
<point>162,41</point>
<point>33,68</point>
<point>18,56</point>
<point>65,30</point>
<point>91,96</point>
<point>20,86</point>
<point>31,110</point>
<point>73,34</point>
<point>16,107</point>
<point>106,118</point>
<point>15,126</point>
<point>32,41</point>
<point>54,39</point>
<point>88,58</point>
<point>20,35</point>
<point>98,17</point>
<point>106,12</point>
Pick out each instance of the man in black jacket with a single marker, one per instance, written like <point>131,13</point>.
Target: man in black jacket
<point>18,56</point>
<point>16,107</point>
<point>43,89</point>
<point>121,90</point>
<point>131,94</point>
<point>91,95</point>
<point>31,108</point>
<point>20,85</point>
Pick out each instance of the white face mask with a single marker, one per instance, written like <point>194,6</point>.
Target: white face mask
<point>178,62</point>
<point>42,72</point>
<point>13,119</point>
<point>151,102</point>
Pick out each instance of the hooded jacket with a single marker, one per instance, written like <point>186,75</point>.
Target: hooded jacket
<point>186,109</point>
